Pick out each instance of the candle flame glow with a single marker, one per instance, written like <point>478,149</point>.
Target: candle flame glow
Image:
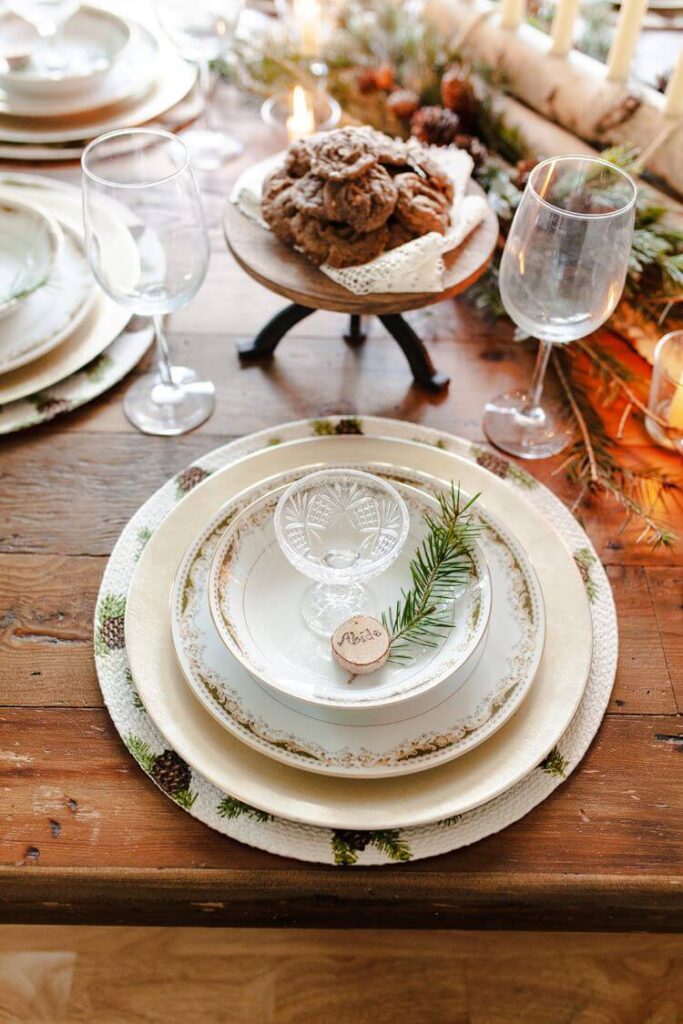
<point>302,120</point>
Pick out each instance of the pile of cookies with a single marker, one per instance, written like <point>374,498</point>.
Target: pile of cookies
<point>346,196</point>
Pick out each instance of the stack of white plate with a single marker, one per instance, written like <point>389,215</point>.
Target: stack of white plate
<point>227,678</point>
<point>62,341</point>
<point>120,73</point>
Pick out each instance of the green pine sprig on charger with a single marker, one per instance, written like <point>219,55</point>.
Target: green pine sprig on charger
<point>442,562</point>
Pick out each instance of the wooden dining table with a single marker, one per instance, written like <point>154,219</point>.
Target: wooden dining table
<point>86,837</point>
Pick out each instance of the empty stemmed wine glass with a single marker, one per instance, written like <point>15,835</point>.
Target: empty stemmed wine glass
<point>47,16</point>
<point>561,276</point>
<point>203,31</point>
<point>148,248</point>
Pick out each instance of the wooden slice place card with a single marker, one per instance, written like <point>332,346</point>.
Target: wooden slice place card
<point>360,645</point>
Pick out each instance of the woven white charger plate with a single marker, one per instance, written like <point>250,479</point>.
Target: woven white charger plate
<point>278,835</point>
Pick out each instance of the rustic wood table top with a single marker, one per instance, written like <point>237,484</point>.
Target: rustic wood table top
<point>86,837</point>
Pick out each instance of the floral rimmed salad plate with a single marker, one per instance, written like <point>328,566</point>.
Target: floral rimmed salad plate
<point>402,739</point>
<point>255,598</point>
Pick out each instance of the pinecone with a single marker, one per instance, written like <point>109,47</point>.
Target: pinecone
<point>434,126</point>
<point>112,632</point>
<point>458,95</point>
<point>354,840</point>
<point>475,147</point>
<point>500,467</point>
<point>403,103</point>
<point>348,426</point>
<point>524,169</point>
<point>50,407</point>
<point>371,80</point>
<point>171,773</point>
<point>111,618</point>
<point>190,477</point>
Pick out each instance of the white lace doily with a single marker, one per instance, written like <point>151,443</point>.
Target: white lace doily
<point>278,835</point>
<point>417,266</point>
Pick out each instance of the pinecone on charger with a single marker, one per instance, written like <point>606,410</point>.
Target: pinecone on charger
<point>435,126</point>
<point>171,773</point>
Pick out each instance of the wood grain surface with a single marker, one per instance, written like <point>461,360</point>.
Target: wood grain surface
<point>86,837</point>
<point>302,977</point>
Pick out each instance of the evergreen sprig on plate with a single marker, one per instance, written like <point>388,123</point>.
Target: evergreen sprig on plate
<point>442,562</point>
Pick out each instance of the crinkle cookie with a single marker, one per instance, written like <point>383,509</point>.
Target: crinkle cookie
<point>308,196</point>
<point>343,154</point>
<point>277,204</point>
<point>298,159</point>
<point>425,166</point>
<point>420,206</point>
<point>365,203</point>
<point>338,245</point>
<point>399,234</point>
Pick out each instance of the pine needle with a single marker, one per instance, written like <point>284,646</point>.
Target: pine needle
<point>442,562</point>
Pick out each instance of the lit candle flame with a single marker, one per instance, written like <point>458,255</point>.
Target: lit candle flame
<point>302,121</point>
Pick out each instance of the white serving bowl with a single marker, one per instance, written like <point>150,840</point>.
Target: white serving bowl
<point>95,39</point>
<point>30,242</point>
<point>254,597</point>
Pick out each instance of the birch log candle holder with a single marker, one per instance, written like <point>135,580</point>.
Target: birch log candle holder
<point>598,103</point>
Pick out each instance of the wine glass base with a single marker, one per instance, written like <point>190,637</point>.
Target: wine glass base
<point>325,607</point>
<point>544,432</point>
<point>209,149</point>
<point>169,409</point>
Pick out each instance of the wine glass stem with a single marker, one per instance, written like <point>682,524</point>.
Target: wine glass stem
<point>163,357</point>
<point>206,119</point>
<point>535,390</point>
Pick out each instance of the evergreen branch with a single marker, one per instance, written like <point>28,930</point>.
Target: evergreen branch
<point>592,466</point>
<point>442,562</point>
<point>619,378</point>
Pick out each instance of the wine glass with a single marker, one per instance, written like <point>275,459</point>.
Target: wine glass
<point>148,248</point>
<point>561,276</point>
<point>203,31</point>
<point>47,17</point>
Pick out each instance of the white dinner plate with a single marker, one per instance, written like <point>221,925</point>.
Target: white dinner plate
<point>30,243</point>
<point>53,312</point>
<point>174,80</point>
<point>442,724</point>
<point>105,319</point>
<point>466,782</point>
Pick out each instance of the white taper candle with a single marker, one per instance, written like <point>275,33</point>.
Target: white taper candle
<point>674,92</point>
<point>625,39</point>
<point>512,12</point>
<point>562,31</point>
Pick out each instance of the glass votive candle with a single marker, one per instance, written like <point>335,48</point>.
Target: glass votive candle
<point>301,112</point>
<point>666,393</point>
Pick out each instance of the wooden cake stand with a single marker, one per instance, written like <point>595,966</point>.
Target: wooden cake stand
<point>288,273</point>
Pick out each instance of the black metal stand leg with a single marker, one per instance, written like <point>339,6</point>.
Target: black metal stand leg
<point>413,349</point>
<point>266,341</point>
<point>356,335</point>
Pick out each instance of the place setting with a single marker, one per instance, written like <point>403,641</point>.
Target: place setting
<point>351,639</point>
<point>70,73</point>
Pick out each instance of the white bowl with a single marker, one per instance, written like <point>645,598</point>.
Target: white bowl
<point>95,39</point>
<point>254,597</point>
<point>30,241</point>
